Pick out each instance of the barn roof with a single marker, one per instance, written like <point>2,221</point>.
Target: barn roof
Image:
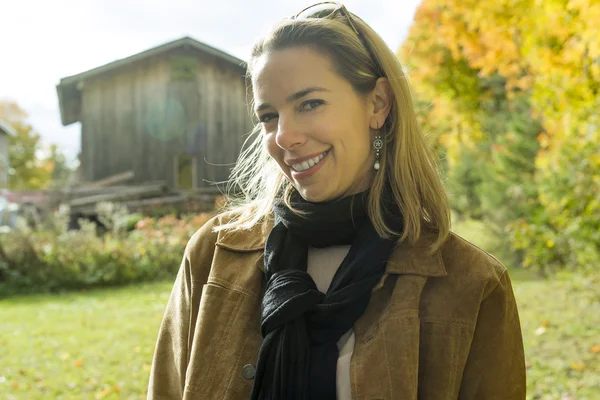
<point>7,129</point>
<point>68,90</point>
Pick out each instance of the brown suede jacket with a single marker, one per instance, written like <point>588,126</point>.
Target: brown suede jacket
<point>437,327</point>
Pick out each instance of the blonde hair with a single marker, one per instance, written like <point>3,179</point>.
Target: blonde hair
<point>409,168</point>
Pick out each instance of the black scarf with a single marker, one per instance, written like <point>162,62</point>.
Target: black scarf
<point>300,325</point>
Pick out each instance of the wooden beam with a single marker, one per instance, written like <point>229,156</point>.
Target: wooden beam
<point>124,195</point>
<point>113,179</point>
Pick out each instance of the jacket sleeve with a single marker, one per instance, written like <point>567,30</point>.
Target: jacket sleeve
<point>495,368</point>
<point>171,354</point>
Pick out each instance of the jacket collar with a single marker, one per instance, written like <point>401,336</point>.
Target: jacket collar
<point>406,258</point>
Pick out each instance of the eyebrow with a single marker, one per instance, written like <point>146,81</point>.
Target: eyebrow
<point>293,97</point>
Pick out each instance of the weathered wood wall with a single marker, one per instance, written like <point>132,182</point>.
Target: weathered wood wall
<point>142,116</point>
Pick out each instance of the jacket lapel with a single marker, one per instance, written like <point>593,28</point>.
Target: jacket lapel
<point>407,258</point>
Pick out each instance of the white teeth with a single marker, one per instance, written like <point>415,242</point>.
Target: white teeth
<point>303,166</point>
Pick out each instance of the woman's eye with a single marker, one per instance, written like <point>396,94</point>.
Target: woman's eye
<point>266,118</point>
<point>310,105</point>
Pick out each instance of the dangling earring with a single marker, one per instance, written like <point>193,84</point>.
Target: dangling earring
<point>377,146</point>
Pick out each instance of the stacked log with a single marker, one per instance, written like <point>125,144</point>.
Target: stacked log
<point>84,198</point>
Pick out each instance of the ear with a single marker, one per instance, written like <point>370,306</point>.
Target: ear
<point>380,102</point>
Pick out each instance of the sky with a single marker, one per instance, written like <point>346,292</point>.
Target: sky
<point>43,41</point>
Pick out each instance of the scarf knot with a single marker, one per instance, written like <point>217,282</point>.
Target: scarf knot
<point>289,295</point>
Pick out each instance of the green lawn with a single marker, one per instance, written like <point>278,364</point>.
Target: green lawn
<point>99,344</point>
<point>561,329</point>
<point>90,345</point>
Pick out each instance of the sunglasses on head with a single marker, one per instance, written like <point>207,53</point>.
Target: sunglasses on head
<point>327,10</point>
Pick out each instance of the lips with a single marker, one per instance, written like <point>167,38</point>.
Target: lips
<point>301,174</point>
<point>309,163</point>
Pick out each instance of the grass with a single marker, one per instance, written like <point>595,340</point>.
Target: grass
<point>87,345</point>
<point>561,330</point>
<point>99,344</point>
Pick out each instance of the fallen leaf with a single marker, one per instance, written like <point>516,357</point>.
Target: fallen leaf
<point>79,363</point>
<point>102,394</point>
<point>540,331</point>
<point>117,388</point>
<point>596,349</point>
<point>528,365</point>
<point>577,366</point>
<point>14,384</point>
<point>545,324</point>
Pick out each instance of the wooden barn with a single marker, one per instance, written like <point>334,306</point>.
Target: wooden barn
<point>176,114</point>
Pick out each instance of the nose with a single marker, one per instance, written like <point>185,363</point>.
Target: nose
<point>289,134</point>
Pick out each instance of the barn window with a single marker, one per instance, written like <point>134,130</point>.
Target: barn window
<point>183,68</point>
<point>185,172</point>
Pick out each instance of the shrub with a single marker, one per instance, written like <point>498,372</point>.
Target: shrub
<point>566,234</point>
<point>49,257</point>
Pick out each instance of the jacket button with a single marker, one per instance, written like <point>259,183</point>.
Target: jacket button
<point>248,371</point>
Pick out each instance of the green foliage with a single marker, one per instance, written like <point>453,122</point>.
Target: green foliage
<point>512,97</point>
<point>26,170</point>
<point>29,168</point>
<point>61,170</point>
<point>52,258</point>
<point>465,177</point>
<point>491,176</point>
<point>567,233</point>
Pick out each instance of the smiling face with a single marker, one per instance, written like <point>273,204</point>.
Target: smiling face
<point>316,126</point>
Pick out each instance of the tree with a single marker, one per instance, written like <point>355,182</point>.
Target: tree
<point>512,96</point>
<point>29,169</point>
<point>59,164</point>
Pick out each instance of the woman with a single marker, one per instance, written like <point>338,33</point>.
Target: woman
<point>337,276</point>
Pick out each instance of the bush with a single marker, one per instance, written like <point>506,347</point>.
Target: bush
<point>566,233</point>
<point>50,257</point>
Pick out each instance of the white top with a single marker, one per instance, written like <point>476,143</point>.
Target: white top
<point>322,265</point>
